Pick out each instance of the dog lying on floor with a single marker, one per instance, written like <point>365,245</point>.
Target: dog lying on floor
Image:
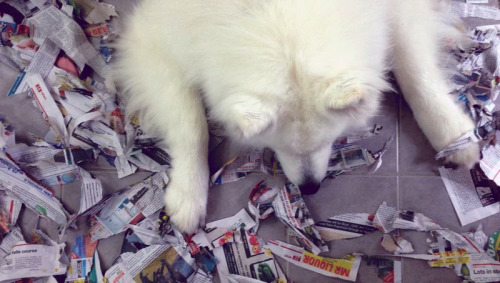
<point>290,75</point>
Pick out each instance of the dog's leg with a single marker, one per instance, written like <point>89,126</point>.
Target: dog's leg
<point>422,79</point>
<point>171,107</point>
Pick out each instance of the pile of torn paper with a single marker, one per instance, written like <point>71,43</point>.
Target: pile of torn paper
<point>61,50</point>
<point>475,193</point>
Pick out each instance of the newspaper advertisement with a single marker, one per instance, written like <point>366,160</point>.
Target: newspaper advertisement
<point>477,267</point>
<point>493,249</point>
<point>490,163</point>
<point>36,197</point>
<point>290,208</point>
<point>473,195</point>
<point>129,206</point>
<point>346,226</point>
<point>345,268</point>
<point>247,259</point>
<point>388,270</point>
<point>35,260</point>
<point>82,258</point>
<point>152,264</point>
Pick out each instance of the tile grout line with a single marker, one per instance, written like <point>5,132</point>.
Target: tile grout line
<point>398,143</point>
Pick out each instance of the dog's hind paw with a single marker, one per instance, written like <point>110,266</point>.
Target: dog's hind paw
<point>466,157</point>
<point>186,205</point>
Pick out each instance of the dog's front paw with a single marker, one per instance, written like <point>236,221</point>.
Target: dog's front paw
<point>186,203</point>
<point>466,157</point>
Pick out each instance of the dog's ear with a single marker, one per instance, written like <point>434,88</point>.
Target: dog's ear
<point>249,114</point>
<point>354,89</point>
<point>343,98</point>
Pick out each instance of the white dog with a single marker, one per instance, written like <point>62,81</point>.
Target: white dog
<point>291,75</point>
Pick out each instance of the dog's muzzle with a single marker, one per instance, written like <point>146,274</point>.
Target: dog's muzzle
<point>309,188</point>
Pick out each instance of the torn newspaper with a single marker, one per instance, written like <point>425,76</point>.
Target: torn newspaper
<point>345,268</point>
<point>248,259</point>
<point>473,195</point>
<point>151,264</point>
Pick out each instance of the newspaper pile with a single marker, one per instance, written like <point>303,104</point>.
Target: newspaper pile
<point>61,52</point>
<point>40,257</point>
<point>475,194</point>
<point>240,253</point>
<point>59,59</point>
<point>137,209</point>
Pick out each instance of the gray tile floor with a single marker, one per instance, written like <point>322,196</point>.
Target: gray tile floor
<point>408,179</point>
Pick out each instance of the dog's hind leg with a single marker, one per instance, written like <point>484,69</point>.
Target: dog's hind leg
<point>171,107</point>
<point>417,51</point>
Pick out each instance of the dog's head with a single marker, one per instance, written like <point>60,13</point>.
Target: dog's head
<point>301,125</point>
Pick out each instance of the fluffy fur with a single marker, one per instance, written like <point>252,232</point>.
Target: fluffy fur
<point>291,75</point>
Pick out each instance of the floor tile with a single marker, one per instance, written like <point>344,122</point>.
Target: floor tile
<point>19,115</point>
<point>8,76</point>
<point>428,195</point>
<point>349,194</point>
<point>299,275</point>
<point>109,249</point>
<point>416,155</point>
<point>388,118</point>
<point>418,271</point>
<point>227,199</point>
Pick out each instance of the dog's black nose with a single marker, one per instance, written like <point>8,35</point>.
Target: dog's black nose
<point>309,188</point>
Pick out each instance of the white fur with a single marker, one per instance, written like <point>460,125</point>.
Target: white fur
<point>291,75</point>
